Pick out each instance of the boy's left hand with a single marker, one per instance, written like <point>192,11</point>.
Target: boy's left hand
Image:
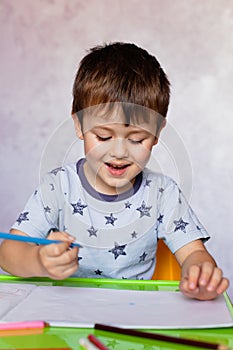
<point>203,281</point>
<point>201,278</point>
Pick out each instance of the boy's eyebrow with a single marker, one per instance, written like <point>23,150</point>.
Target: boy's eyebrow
<point>101,127</point>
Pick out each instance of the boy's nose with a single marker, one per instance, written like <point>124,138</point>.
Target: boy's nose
<point>119,148</point>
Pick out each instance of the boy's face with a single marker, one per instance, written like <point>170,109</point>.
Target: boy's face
<point>115,152</point>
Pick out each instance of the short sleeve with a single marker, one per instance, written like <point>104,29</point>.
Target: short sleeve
<point>177,224</point>
<point>41,212</point>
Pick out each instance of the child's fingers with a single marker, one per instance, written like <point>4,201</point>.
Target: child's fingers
<point>55,249</point>
<point>214,280</point>
<point>184,287</point>
<point>61,235</point>
<point>200,293</point>
<point>210,275</point>
<point>193,277</point>
<point>68,271</point>
<point>58,261</point>
<point>60,252</point>
<point>65,264</point>
<point>62,271</point>
<point>68,257</point>
<point>207,286</point>
<point>224,284</point>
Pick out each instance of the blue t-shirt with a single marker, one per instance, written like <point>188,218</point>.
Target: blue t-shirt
<point>118,233</point>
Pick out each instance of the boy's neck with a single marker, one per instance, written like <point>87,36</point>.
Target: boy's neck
<point>116,196</point>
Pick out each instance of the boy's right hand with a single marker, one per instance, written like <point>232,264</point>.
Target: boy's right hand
<point>57,260</point>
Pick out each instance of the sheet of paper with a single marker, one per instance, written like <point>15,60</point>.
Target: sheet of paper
<point>11,294</point>
<point>83,307</point>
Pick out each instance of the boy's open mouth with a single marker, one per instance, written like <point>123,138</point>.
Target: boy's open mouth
<point>117,166</point>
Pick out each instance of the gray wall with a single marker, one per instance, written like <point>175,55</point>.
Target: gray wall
<point>41,43</point>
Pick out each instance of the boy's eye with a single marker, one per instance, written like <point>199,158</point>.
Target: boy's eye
<point>100,138</point>
<point>135,141</point>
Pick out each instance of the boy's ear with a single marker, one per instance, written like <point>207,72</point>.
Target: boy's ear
<point>163,124</point>
<point>77,126</point>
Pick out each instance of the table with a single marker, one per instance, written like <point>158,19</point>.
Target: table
<point>57,337</point>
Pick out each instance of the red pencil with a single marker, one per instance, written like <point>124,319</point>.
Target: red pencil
<point>97,342</point>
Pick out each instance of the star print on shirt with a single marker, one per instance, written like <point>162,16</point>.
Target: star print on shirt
<point>110,219</point>
<point>118,250</point>
<point>147,183</point>
<point>161,190</point>
<point>98,272</point>
<point>160,219</point>
<point>180,225</point>
<point>56,170</point>
<point>92,231</point>
<point>78,207</point>
<point>128,205</point>
<point>142,257</point>
<point>144,210</point>
<point>22,217</point>
<point>47,209</point>
<point>52,187</point>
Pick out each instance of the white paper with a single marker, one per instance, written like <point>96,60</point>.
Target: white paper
<point>11,294</point>
<point>83,307</point>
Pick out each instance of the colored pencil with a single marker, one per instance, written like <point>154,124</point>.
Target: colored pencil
<point>97,342</point>
<point>35,240</point>
<point>7,326</point>
<point>160,337</point>
<point>20,332</point>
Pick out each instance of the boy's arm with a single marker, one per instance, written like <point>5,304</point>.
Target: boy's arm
<point>200,276</point>
<point>56,261</point>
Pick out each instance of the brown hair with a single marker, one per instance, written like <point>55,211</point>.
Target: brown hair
<point>120,72</point>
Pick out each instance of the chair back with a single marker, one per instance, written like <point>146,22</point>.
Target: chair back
<point>167,268</point>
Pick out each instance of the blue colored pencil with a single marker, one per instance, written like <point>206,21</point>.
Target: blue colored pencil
<point>35,240</point>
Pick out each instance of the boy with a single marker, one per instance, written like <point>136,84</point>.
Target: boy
<point>109,201</point>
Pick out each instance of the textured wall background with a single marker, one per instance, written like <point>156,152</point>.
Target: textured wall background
<point>41,43</point>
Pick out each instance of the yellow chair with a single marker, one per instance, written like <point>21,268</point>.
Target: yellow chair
<point>167,268</point>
